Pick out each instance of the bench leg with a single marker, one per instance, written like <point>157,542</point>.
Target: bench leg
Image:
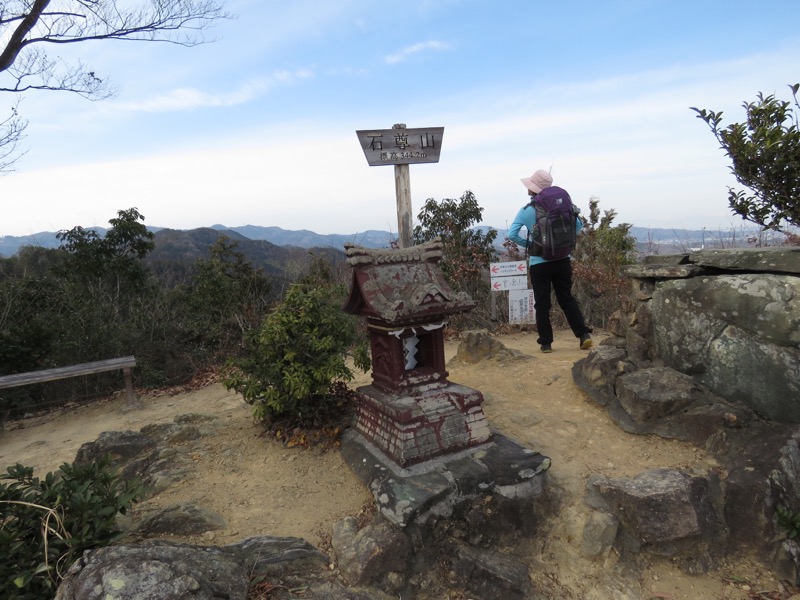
<point>132,402</point>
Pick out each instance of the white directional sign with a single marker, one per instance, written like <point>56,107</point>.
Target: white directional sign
<point>518,282</point>
<point>503,269</point>
<point>508,276</point>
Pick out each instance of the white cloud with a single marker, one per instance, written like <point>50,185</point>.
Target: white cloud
<point>406,53</point>
<point>631,140</point>
<point>188,98</point>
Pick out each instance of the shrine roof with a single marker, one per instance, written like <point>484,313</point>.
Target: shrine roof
<point>402,286</point>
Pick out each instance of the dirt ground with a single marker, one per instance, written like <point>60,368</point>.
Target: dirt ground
<point>262,488</point>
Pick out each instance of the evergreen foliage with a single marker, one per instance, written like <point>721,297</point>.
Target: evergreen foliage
<point>225,299</point>
<point>96,298</point>
<point>467,251</point>
<point>765,155</point>
<point>293,362</point>
<point>47,524</point>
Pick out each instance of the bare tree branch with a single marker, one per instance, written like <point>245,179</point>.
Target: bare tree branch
<point>29,27</point>
<point>12,129</point>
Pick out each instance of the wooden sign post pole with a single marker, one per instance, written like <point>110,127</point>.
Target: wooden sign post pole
<point>402,186</point>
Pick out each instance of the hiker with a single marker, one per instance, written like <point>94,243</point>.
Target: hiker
<point>552,232</point>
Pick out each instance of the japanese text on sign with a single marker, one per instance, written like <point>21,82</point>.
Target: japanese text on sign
<point>508,276</point>
<point>502,269</point>
<point>519,282</point>
<point>401,146</point>
<point>520,306</point>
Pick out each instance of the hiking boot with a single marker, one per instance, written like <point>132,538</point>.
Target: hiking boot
<point>586,341</point>
<point>546,348</point>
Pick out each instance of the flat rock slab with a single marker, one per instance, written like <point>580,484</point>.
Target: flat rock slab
<point>410,495</point>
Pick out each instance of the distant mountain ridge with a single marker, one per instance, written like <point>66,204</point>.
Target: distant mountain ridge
<point>673,240</point>
<point>308,239</point>
<point>10,245</point>
<point>184,247</point>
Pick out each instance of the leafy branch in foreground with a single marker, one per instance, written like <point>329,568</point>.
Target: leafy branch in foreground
<point>45,525</point>
<point>765,152</point>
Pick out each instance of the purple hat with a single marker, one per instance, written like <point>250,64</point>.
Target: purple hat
<point>538,181</point>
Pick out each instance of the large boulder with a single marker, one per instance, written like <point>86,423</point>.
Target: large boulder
<point>156,571</point>
<point>666,511</point>
<point>476,346</point>
<point>377,552</point>
<point>159,570</point>
<point>656,400</point>
<point>737,334</point>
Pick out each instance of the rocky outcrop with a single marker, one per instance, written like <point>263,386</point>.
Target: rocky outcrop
<point>435,528</point>
<point>477,346</point>
<point>155,455</point>
<point>666,510</point>
<point>656,399</point>
<point>167,571</point>
<point>737,334</point>
<point>732,323</point>
<point>708,352</point>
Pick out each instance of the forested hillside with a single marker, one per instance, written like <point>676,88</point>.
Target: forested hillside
<point>181,302</point>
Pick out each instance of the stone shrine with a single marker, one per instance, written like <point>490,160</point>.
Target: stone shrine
<point>411,412</point>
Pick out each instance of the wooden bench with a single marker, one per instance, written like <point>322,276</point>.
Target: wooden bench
<point>126,363</point>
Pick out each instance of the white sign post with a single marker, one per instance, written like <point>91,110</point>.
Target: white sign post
<point>520,306</point>
<point>512,277</point>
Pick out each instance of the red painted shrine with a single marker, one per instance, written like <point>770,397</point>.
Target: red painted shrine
<point>411,412</point>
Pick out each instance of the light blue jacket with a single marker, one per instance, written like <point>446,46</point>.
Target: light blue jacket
<point>526,217</point>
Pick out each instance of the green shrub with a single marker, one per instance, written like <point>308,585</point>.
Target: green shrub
<point>293,361</point>
<point>599,283</point>
<point>45,525</point>
<point>467,251</point>
<point>788,520</point>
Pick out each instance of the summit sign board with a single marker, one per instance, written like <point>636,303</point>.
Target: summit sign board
<point>401,146</point>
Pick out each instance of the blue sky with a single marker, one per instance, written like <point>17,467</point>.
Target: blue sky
<point>259,126</point>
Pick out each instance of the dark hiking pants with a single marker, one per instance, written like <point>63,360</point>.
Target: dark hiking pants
<point>555,276</point>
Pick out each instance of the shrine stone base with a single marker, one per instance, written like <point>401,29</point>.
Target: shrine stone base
<point>432,490</point>
<point>429,422</point>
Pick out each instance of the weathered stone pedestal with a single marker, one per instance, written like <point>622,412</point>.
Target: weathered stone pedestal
<point>502,468</point>
<point>434,422</point>
<point>449,514</point>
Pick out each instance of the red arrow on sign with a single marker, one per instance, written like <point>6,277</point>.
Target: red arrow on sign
<point>497,286</point>
<point>495,269</point>
<point>521,267</point>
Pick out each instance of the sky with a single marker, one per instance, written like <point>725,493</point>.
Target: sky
<point>257,127</point>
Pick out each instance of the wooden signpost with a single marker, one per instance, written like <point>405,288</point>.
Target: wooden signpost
<point>401,147</point>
